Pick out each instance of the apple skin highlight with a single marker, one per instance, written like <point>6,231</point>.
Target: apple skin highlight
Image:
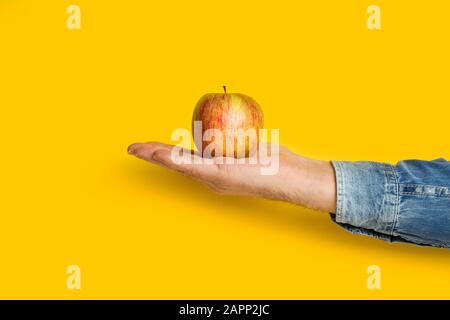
<point>229,114</point>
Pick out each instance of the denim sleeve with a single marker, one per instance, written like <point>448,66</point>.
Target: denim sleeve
<point>406,202</point>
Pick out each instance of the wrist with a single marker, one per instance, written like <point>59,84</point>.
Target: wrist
<point>315,185</point>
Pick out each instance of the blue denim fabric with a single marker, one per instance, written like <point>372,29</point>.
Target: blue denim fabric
<point>407,202</point>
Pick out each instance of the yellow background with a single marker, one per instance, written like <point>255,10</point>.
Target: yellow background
<point>72,101</point>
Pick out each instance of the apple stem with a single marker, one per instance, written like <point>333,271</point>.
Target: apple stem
<point>225,89</point>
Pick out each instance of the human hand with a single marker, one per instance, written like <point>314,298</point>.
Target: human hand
<point>299,180</point>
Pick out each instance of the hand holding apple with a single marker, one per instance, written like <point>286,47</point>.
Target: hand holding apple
<point>299,180</point>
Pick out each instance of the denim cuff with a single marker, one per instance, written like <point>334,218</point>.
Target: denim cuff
<point>367,198</point>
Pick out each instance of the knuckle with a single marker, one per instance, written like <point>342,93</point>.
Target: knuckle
<point>220,187</point>
<point>190,171</point>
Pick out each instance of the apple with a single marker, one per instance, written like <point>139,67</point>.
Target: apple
<point>229,124</point>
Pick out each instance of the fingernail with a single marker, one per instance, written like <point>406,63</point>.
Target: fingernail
<point>131,150</point>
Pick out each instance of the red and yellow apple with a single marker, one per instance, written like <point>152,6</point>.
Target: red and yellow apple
<point>235,119</point>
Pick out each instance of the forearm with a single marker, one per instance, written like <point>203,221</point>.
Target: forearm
<point>310,183</point>
<point>407,202</point>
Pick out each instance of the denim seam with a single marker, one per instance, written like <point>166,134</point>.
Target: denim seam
<point>397,202</point>
<point>340,190</point>
<point>445,190</point>
<point>424,195</point>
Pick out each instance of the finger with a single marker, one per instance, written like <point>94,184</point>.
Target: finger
<point>191,165</point>
<point>160,153</point>
<point>146,150</point>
